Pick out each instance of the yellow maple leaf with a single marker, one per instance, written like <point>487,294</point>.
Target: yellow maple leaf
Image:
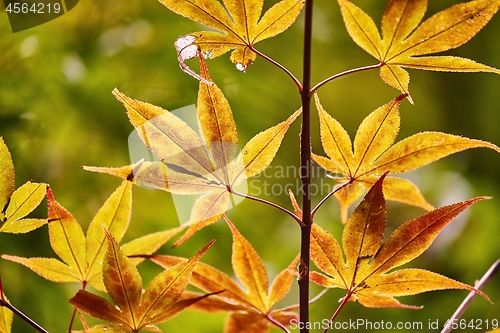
<point>210,165</point>
<point>81,255</point>
<point>375,154</point>
<point>239,27</point>
<point>403,38</point>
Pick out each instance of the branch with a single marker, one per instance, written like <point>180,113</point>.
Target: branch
<point>280,66</point>
<point>351,71</point>
<point>305,169</point>
<point>5,303</point>
<point>335,190</point>
<point>277,323</point>
<point>269,203</point>
<point>22,315</point>
<point>494,269</point>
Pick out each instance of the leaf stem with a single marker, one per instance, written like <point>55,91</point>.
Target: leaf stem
<point>280,66</point>
<point>269,203</point>
<point>344,301</point>
<point>71,322</point>
<point>277,323</point>
<point>318,296</point>
<point>494,269</point>
<point>350,71</point>
<point>305,171</point>
<point>337,188</point>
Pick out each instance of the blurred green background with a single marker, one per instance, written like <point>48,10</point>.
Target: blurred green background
<point>57,114</point>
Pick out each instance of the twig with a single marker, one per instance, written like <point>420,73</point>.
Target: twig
<point>4,302</point>
<point>277,323</point>
<point>280,66</point>
<point>494,269</point>
<point>22,315</point>
<point>335,190</point>
<point>318,296</point>
<point>269,203</point>
<point>351,71</point>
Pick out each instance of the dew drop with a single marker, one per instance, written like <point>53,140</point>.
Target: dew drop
<point>207,55</point>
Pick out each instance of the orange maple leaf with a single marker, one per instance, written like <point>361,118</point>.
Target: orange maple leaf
<point>137,310</point>
<point>368,257</point>
<point>238,26</point>
<point>403,38</point>
<point>375,153</point>
<point>82,256</point>
<point>250,310</point>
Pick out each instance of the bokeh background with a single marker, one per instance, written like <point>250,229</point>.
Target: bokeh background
<point>57,114</point>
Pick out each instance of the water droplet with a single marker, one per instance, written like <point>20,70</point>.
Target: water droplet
<point>207,55</point>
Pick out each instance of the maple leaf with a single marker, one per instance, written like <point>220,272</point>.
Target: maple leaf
<point>238,26</point>
<point>82,256</point>
<point>16,204</point>
<point>6,315</point>
<point>375,153</point>
<point>368,257</point>
<point>210,166</point>
<point>249,310</point>
<point>137,310</point>
<point>403,39</point>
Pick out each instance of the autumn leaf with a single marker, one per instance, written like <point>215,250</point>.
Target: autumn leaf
<point>239,26</point>
<point>363,273</point>
<point>494,331</point>
<point>211,165</point>
<point>403,38</point>
<point>250,309</point>
<point>6,315</point>
<point>82,256</point>
<point>134,309</point>
<point>375,153</point>
<point>6,176</point>
<point>16,204</point>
